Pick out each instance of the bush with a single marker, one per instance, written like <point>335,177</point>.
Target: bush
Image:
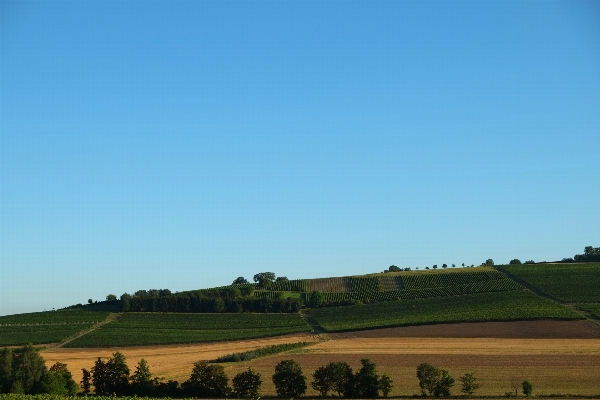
<point>527,388</point>
<point>434,381</point>
<point>469,384</point>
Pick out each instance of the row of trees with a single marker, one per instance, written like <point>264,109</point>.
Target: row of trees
<point>24,371</point>
<point>232,300</point>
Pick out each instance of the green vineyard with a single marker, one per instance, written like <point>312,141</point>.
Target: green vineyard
<point>478,307</point>
<point>133,329</point>
<point>46,327</point>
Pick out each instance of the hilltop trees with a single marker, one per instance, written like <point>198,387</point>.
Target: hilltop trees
<point>590,254</point>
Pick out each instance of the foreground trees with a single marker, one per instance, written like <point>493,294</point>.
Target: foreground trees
<point>434,381</point>
<point>23,371</point>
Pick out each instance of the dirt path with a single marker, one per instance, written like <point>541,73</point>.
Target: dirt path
<point>111,317</point>
<point>307,316</point>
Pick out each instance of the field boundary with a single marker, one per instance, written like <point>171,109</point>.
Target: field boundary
<point>529,286</point>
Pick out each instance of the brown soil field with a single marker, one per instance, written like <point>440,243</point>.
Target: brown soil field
<point>564,358</point>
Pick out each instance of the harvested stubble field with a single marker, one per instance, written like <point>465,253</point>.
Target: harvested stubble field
<point>544,352</point>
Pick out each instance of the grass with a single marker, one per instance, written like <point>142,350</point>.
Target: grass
<point>135,329</point>
<point>499,306</point>
<point>565,282</point>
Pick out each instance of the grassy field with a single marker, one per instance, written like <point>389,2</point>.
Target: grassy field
<point>566,282</point>
<point>134,329</point>
<point>45,327</point>
<point>593,309</point>
<point>500,306</point>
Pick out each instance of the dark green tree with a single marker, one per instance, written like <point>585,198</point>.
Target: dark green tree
<point>288,379</point>
<point>247,384</point>
<point>111,297</point>
<point>125,302</point>
<point>469,384</point>
<point>282,279</point>
<point>264,279</point>
<point>6,375</point>
<point>527,388</point>
<point>29,369</point>
<point>444,265</point>
<point>141,380</point>
<point>343,378</point>
<point>385,385</point>
<point>240,280</point>
<point>322,381</point>
<point>111,376</point>
<point>394,268</point>
<point>489,262</point>
<point>366,380</point>
<point>86,381</point>
<point>70,384</point>
<point>207,380</point>
<point>434,381</point>
<point>54,383</point>
<point>515,261</point>
<point>317,299</point>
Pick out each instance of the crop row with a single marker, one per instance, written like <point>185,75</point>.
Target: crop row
<point>296,285</point>
<point>566,282</point>
<point>416,281</point>
<point>393,282</point>
<point>329,285</point>
<point>55,317</point>
<point>368,284</point>
<point>158,328</point>
<point>20,335</point>
<point>494,306</point>
<point>477,287</point>
<point>593,309</point>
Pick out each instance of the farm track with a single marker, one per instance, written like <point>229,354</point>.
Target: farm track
<point>529,287</point>
<point>316,328</point>
<point>111,317</point>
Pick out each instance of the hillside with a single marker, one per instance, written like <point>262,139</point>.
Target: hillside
<point>329,304</point>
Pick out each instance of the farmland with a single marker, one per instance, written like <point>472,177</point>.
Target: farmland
<point>499,306</point>
<point>593,309</point>
<point>565,282</point>
<point>45,327</point>
<point>134,329</point>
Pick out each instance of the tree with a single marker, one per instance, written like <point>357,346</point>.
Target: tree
<point>343,378</point>
<point>29,369</point>
<point>316,299</point>
<point>489,262</point>
<point>125,302</point>
<point>527,388</point>
<point>69,383</point>
<point>385,385</point>
<point>463,264</point>
<point>6,375</point>
<point>86,381</point>
<point>240,280</point>
<point>530,262</point>
<point>247,384</point>
<point>288,379</point>
<point>435,266</point>
<point>111,297</point>
<point>515,261</point>
<point>444,265</point>
<point>282,279</point>
<point>453,265</point>
<point>393,268</point>
<point>207,380</point>
<point>322,381</point>
<point>90,301</point>
<point>469,384</point>
<point>54,383</point>
<point>366,380</point>
<point>141,380</point>
<point>111,376</point>
<point>435,381</point>
<point>264,279</point>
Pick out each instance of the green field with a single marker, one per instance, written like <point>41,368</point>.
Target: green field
<point>46,327</point>
<point>134,329</point>
<point>593,309</point>
<point>500,306</point>
<point>565,282</point>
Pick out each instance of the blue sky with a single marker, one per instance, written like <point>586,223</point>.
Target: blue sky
<point>182,144</point>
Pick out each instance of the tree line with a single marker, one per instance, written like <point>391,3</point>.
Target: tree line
<point>23,371</point>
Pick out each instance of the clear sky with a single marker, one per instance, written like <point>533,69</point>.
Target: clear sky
<point>182,144</point>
